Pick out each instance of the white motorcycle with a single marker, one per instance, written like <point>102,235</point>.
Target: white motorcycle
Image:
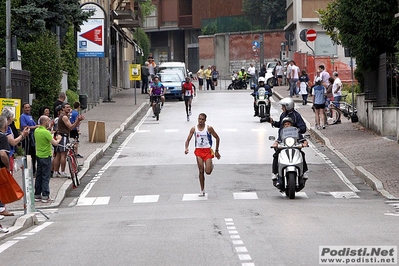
<point>263,103</point>
<point>290,162</point>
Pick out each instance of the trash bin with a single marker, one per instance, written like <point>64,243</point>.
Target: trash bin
<point>83,101</point>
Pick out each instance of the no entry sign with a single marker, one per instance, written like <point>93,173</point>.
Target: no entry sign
<point>311,35</point>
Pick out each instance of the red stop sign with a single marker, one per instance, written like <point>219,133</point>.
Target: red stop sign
<point>311,35</point>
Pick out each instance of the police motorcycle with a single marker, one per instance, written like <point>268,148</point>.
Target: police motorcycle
<point>262,101</point>
<point>290,161</point>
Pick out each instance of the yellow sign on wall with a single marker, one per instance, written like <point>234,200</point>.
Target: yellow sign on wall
<point>14,105</point>
<point>135,71</point>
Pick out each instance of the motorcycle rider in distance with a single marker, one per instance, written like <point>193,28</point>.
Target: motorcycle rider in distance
<point>156,89</point>
<point>242,77</point>
<point>261,83</point>
<point>287,105</point>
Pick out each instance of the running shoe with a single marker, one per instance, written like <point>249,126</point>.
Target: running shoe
<point>188,118</point>
<point>3,230</point>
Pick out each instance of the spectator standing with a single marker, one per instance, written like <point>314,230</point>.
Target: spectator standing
<point>303,86</point>
<point>288,76</point>
<point>263,70</point>
<point>26,120</point>
<point>12,140</point>
<point>208,76</point>
<point>279,73</point>
<point>251,71</point>
<point>4,162</point>
<point>324,76</point>
<point>337,89</point>
<point>294,77</point>
<point>44,140</point>
<point>151,66</point>
<point>74,134</point>
<point>59,101</point>
<point>215,76</point>
<point>64,128</point>
<point>200,76</point>
<point>319,103</point>
<point>145,73</point>
<point>329,93</point>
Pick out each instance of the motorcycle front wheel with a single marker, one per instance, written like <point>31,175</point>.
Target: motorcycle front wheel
<point>230,87</point>
<point>290,191</point>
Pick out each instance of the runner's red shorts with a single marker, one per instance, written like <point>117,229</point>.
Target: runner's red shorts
<point>204,153</point>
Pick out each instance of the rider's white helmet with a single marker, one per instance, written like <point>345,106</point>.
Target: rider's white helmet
<point>288,103</point>
<point>261,79</point>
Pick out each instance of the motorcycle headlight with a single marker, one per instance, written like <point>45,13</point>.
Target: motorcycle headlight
<point>289,142</point>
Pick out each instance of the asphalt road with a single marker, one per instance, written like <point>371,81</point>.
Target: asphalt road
<point>139,205</point>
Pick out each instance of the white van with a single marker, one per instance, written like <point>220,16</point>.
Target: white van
<point>173,66</point>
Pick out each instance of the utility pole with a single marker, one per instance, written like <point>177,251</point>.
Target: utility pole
<point>8,49</point>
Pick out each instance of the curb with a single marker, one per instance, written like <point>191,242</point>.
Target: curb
<point>369,178</point>
<point>28,220</point>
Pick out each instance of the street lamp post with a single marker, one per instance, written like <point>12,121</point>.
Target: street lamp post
<point>8,49</point>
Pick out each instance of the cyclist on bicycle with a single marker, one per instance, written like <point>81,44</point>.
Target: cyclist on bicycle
<point>156,89</point>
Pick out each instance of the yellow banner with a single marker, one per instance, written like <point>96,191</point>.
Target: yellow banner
<point>14,105</point>
<point>135,71</point>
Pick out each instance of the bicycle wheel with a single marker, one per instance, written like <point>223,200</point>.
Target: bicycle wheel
<point>73,171</point>
<point>157,110</point>
<point>332,116</point>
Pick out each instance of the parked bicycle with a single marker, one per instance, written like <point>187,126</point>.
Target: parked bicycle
<point>334,110</point>
<point>73,163</point>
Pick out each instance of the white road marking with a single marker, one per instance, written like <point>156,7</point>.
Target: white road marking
<point>245,195</point>
<point>146,198</point>
<point>258,130</point>
<point>40,227</point>
<point>241,249</point>
<point>344,195</point>
<point>244,257</point>
<point>7,245</point>
<point>193,197</point>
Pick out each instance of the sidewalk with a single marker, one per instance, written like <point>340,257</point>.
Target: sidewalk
<point>371,156</point>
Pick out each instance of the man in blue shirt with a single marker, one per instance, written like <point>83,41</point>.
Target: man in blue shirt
<point>28,143</point>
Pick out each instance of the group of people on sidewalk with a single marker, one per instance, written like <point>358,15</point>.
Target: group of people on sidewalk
<point>211,75</point>
<point>45,141</point>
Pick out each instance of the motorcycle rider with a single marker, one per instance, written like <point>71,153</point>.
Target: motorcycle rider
<point>242,78</point>
<point>288,122</point>
<point>261,83</point>
<point>287,105</point>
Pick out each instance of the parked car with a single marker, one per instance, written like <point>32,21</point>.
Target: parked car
<point>172,81</point>
<point>174,66</point>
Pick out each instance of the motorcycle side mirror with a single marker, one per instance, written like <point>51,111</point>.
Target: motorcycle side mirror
<point>273,138</point>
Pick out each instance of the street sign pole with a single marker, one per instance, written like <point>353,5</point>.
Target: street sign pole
<point>8,49</point>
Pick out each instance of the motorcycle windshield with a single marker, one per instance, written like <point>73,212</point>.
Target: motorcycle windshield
<point>289,132</point>
<point>261,92</point>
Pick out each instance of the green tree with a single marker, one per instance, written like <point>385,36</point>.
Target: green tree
<point>269,13</point>
<point>144,42</point>
<point>42,58</point>
<point>366,27</point>
<point>69,60</point>
<point>31,17</point>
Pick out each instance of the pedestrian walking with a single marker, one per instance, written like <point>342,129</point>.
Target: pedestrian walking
<point>200,76</point>
<point>203,148</point>
<point>44,140</point>
<point>279,73</point>
<point>319,102</point>
<point>188,90</point>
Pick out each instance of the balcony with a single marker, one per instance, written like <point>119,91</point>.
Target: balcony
<point>126,16</point>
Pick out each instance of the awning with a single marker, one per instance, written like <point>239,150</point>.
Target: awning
<point>123,34</point>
